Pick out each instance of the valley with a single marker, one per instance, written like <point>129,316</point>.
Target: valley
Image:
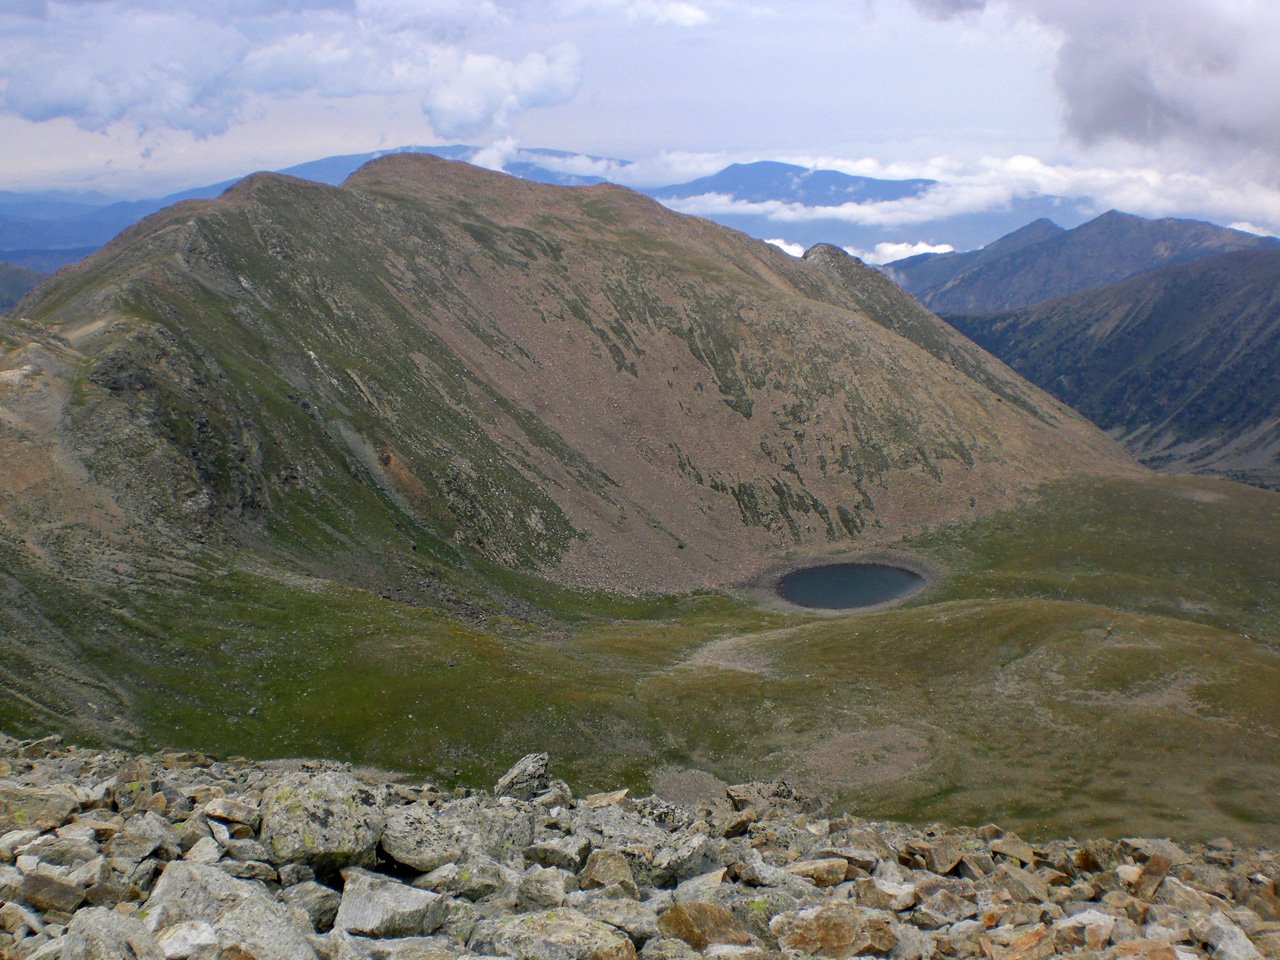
<point>438,468</point>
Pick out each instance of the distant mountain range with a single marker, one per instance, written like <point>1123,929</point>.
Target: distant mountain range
<point>1043,260</point>
<point>43,230</point>
<point>1181,364</point>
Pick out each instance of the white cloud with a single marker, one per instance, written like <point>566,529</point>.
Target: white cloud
<point>890,252</point>
<point>197,69</point>
<point>671,12</point>
<point>1253,228</point>
<point>496,155</point>
<point>794,249</point>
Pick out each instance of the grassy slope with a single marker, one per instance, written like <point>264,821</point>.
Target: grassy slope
<point>1105,662</point>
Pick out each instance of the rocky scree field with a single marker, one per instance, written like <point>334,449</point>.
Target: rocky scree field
<point>177,855</point>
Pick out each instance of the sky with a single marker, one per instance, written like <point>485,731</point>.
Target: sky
<point>1158,107</point>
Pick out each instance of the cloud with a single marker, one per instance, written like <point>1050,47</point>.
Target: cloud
<point>995,183</point>
<point>1247,227</point>
<point>947,9</point>
<point>793,249</point>
<point>173,67</point>
<point>669,12</point>
<point>890,252</point>
<point>1200,74</point>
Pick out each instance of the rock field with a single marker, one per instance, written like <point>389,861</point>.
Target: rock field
<point>177,855</point>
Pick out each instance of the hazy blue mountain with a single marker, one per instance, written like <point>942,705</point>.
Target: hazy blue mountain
<point>1042,261</point>
<point>768,180</point>
<point>45,261</point>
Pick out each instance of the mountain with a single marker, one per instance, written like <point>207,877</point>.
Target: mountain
<point>428,341</point>
<point>438,467</point>
<point>69,222</point>
<point>75,225</point>
<point>1042,261</point>
<point>15,281</point>
<point>1182,364</point>
<point>767,180</point>
<point>435,372</point>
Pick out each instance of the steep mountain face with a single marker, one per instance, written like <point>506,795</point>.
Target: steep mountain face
<point>15,282</point>
<point>1041,261</point>
<point>1181,364</point>
<point>434,362</point>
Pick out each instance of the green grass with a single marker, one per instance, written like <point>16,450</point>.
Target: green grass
<point>1101,662</point>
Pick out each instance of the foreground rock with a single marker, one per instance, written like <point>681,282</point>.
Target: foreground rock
<point>106,855</point>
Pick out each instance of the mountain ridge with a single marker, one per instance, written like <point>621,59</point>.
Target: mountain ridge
<point>1180,363</point>
<point>1012,273</point>
<point>790,490</point>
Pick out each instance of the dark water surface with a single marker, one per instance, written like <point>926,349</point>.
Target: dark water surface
<point>843,586</point>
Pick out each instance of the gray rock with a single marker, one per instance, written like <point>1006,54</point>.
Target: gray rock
<point>206,851</point>
<point>346,947</point>
<point>414,836</point>
<point>1229,942</point>
<point>543,888</point>
<point>12,840</point>
<point>704,887</point>
<point>240,911</point>
<point>563,934</point>
<point>500,830</point>
<point>668,948</point>
<point>233,811</point>
<point>328,820</point>
<point>101,934</point>
<point>567,853</point>
<point>526,780</point>
<point>474,879</point>
<point>634,919</point>
<point>191,940</point>
<point>142,836</point>
<point>378,906</point>
<point>318,902</point>
<point>35,808</point>
<point>605,868</point>
<point>46,892</point>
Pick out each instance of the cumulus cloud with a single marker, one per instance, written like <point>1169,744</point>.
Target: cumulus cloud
<point>890,252</point>
<point>793,249</point>
<point>669,11</point>
<point>947,9</point>
<point>1203,74</point>
<point>195,68</point>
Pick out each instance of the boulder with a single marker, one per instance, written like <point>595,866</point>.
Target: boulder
<point>101,934</point>
<point>415,837</point>
<point>563,934</point>
<point>835,930</point>
<point>189,940</point>
<point>377,906</point>
<point>568,853</point>
<point>35,808</point>
<point>526,780</point>
<point>318,902</point>
<point>328,820</point>
<point>823,873</point>
<point>701,924</point>
<point>241,912</point>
